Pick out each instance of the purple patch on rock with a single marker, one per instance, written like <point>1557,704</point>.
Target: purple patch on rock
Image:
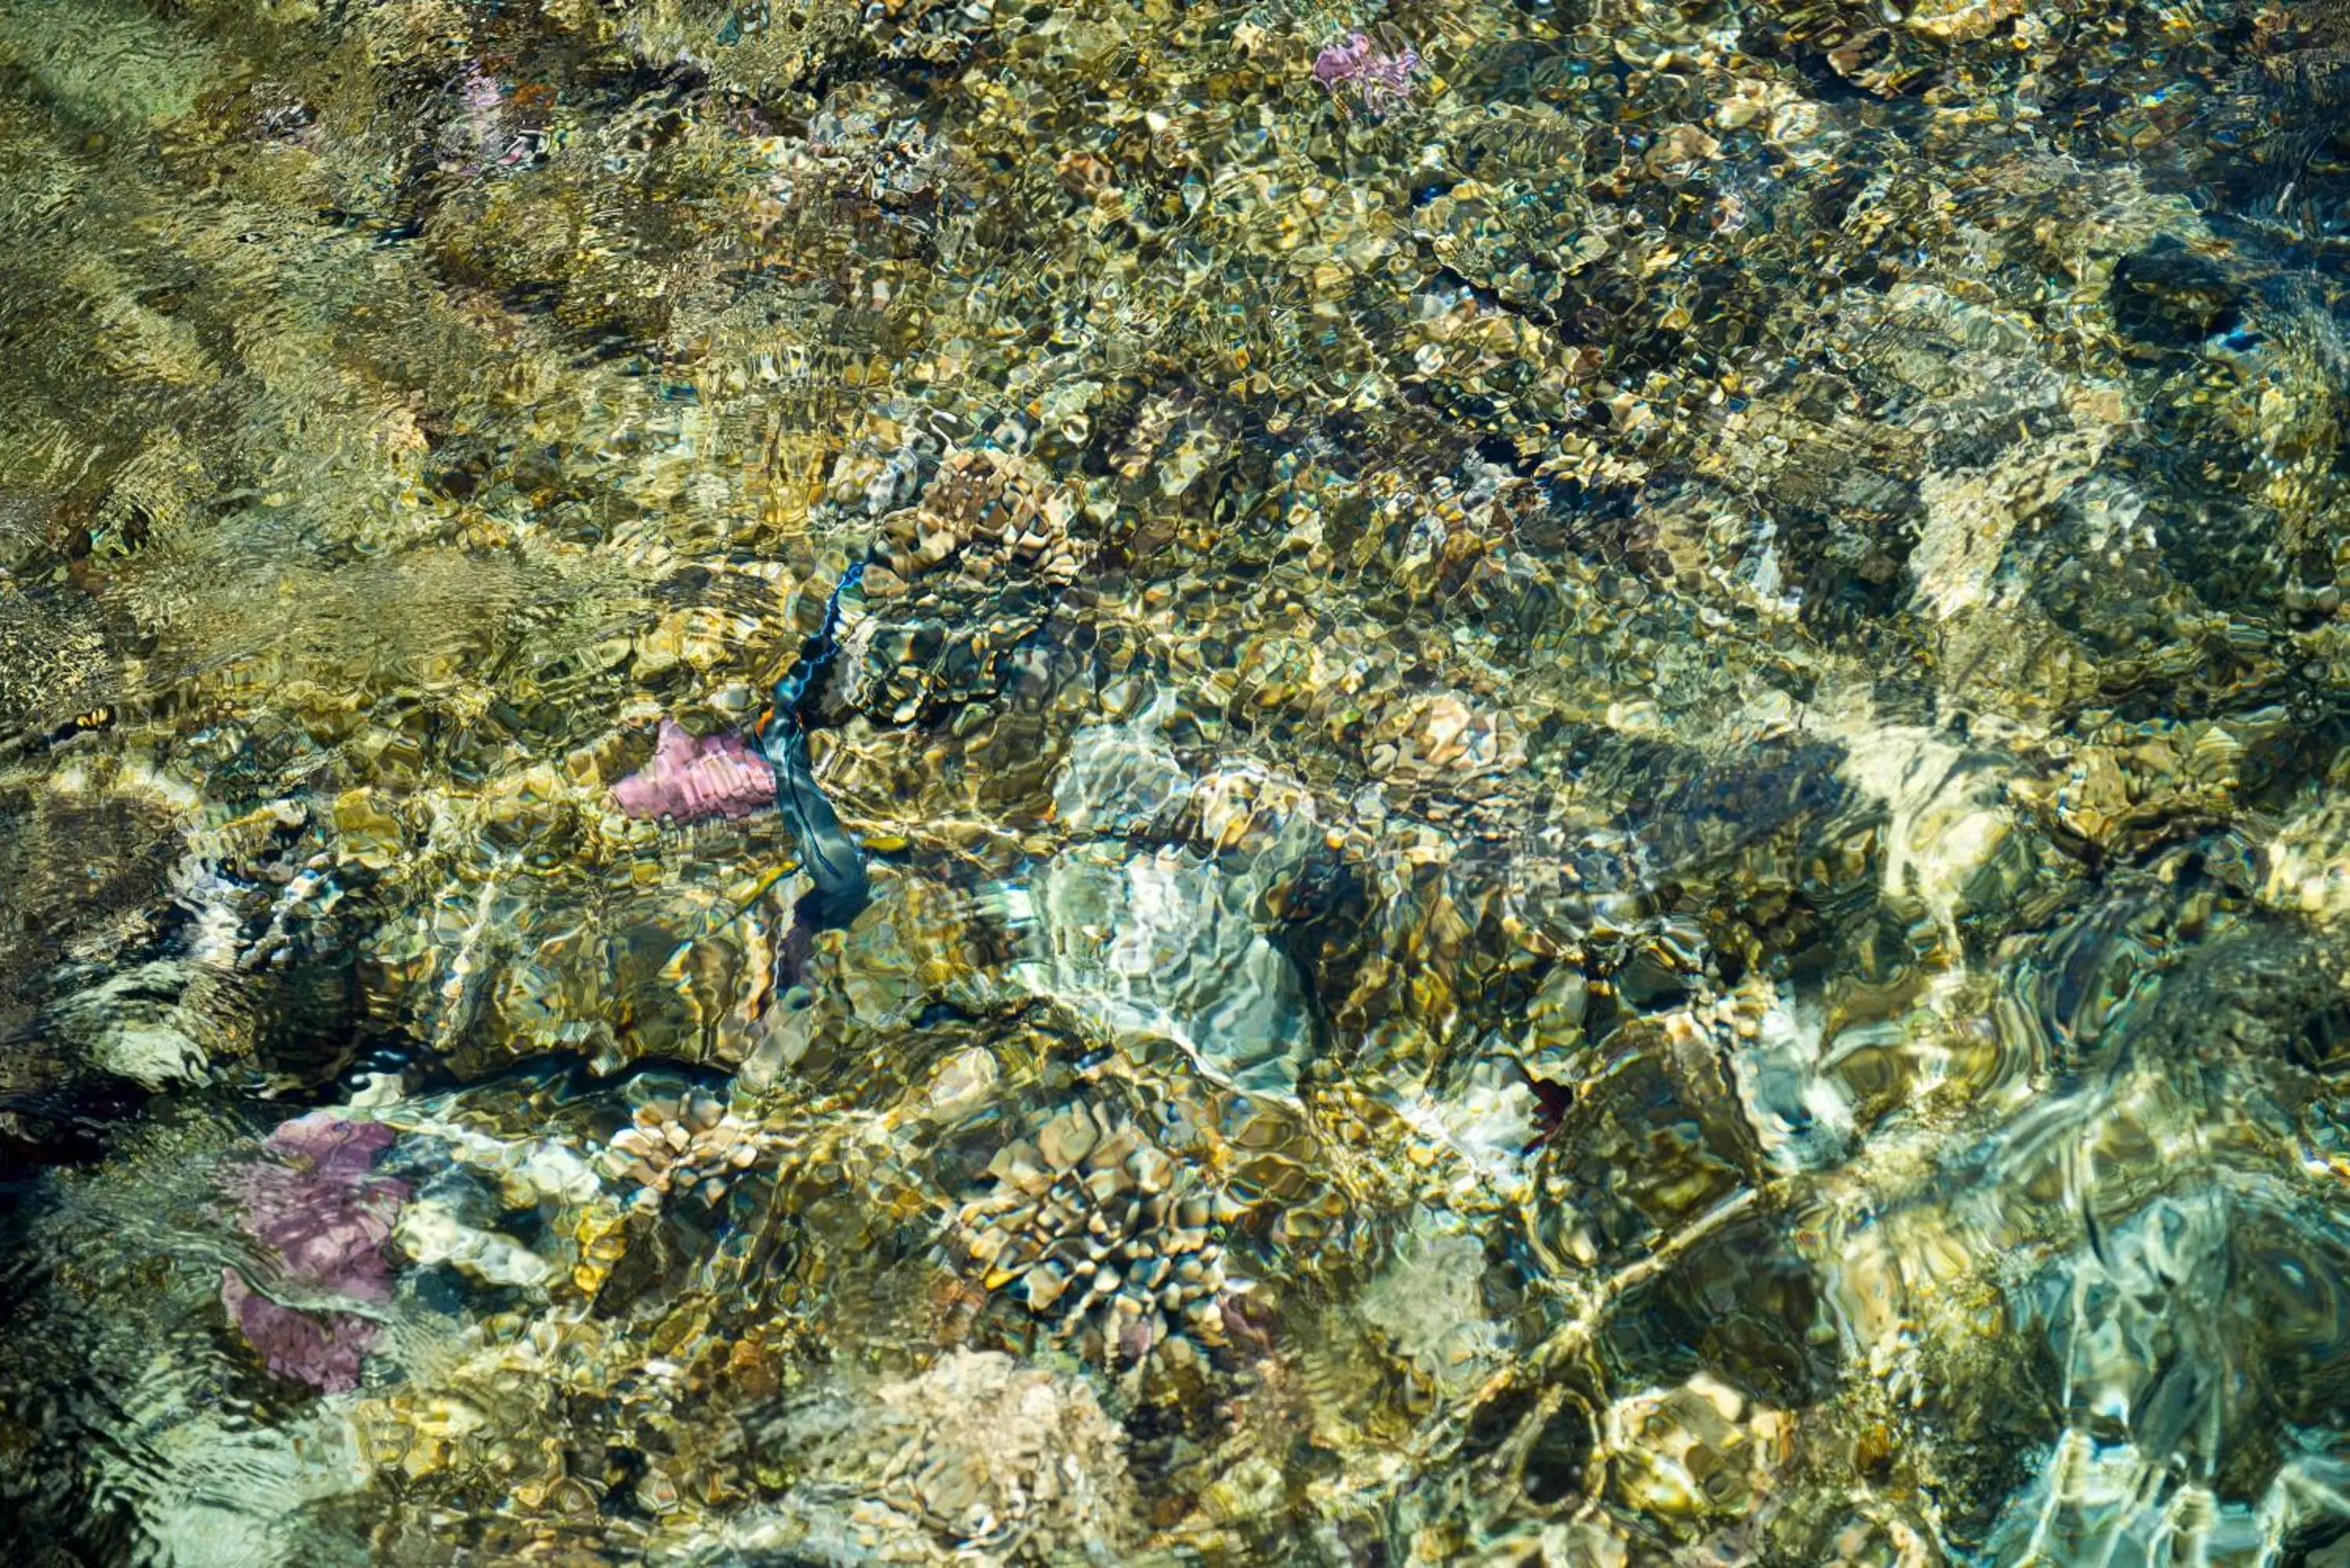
<point>331,1144</point>
<point>322,1218</point>
<point>690,779</point>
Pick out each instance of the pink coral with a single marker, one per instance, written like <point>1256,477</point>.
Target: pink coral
<point>691,779</point>
<point>321,1217</point>
<point>1381,79</point>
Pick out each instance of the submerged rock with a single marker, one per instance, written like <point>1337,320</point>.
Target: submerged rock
<point>1560,785</point>
<point>321,1220</point>
<point>690,779</point>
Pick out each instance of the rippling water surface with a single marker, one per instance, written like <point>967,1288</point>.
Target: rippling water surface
<point>1558,782</point>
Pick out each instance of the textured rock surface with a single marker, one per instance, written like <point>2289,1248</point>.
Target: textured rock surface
<point>1631,716</point>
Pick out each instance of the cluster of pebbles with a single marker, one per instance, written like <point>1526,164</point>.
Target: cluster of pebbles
<point>688,1143</point>
<point>985,514</point>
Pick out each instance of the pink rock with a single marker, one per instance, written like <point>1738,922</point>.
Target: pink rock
<point>328,1235</point>
<point>691,779</point>
<point>321,1349</point>
<point>321,1217</point>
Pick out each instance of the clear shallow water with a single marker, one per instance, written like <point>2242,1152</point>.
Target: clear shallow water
<point>1593,759</point>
